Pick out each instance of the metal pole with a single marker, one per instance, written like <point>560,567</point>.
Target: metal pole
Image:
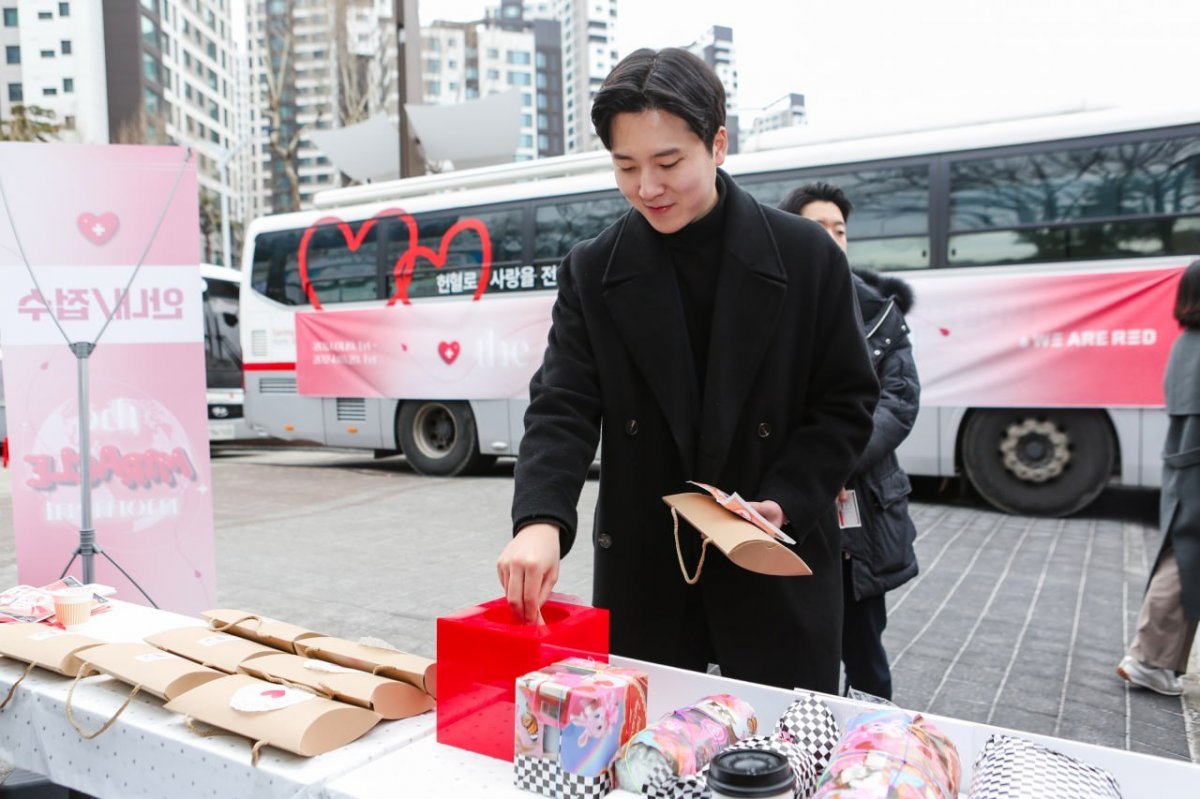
<point>226,236</point>
<point>87,534</point>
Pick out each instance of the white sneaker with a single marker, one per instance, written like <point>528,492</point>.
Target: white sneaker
<point>1162,681</point>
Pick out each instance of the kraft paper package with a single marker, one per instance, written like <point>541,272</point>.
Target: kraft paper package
<point>221,651</point>
<point>391,699</point>
<point>283,716</point>
<point>381,660</point>
<point>44,646</point>
<point>742,542</point>
<point>155,671</point>
<point>271,632</point>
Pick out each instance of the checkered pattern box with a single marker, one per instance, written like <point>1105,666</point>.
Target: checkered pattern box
<point>571,719</point>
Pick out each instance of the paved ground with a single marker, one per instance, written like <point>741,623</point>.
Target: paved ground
<point>1014,621</point>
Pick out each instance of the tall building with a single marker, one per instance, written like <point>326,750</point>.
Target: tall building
<point>588,54</point>
<point>715,46</point>
<point>132,71</point>
<point>786,112</point>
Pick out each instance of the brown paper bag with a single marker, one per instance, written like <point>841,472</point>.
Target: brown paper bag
<point>277,634</point>
<point>220,651</point>
<point>412,669</point>
<point>389,698</point>
<point>276,715</point>
<point>158,672</point>
<point>742,542</point>
<point>48,647</point>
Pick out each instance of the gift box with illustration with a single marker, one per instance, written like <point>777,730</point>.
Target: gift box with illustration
<point>571,720</point>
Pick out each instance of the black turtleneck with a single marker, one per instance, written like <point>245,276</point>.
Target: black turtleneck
<point>695,252</point>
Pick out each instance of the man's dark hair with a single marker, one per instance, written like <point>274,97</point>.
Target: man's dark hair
<point>1187,299</point>
<point>671,80</point>
<point>813,192</point>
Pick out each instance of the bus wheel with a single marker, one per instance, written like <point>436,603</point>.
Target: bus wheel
<point>1038,462</point>
<point>439,438</point>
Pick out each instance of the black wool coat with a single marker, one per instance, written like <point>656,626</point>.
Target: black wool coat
<point>1179,504</point>
<point>882,547</point>
<point>784,415</point>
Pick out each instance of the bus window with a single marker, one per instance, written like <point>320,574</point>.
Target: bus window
<point>275,273</point>
<point>464,253</point>
<point>222,346</point>
<point>339,274</point>
<point>560,226</point>
<point>1121,200</point>
<point>889,228</point>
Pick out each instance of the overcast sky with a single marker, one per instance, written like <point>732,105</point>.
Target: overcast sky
<point>917,63</point>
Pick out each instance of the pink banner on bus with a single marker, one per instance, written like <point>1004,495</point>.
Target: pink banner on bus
<point>84,215</point>
<point>432,350</point>
<point>1022,340</point>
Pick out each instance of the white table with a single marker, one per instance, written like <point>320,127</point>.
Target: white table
<point>150,752</point>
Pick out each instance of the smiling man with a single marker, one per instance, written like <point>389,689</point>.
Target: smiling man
<point>703,336</point>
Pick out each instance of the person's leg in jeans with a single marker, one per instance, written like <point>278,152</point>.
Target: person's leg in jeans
<point>863,655</point>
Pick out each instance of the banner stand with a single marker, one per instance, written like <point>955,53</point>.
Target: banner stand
<point>88,548</point>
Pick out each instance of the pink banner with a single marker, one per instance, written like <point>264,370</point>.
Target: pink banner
<point>84,215</point>
<point>433,350</point>
<point>1055,340</point>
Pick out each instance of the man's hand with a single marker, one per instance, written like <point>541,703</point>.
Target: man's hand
<point>528,569</point>
<point>770,511</point>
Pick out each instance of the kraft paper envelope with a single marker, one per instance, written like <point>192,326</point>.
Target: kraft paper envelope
<point>412,669</point>
<point>163,674</point>
<point>48,647</point>
<point>220,651</point>
<point>278,634</point>
<point>742,542</point>
<point>277,715</point>
<point>389,698</point>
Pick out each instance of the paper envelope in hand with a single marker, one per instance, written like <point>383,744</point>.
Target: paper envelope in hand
<point>740,541</point>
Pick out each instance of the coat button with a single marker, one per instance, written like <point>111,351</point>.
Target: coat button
<point>887,341</point>
<point>604,540</point>
<point>764,430</point>
<point>879,352</point>
<point>631,427</point>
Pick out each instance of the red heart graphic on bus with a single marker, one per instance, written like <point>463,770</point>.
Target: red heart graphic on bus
<point>405,270</point>
<point>98,228</point>
<point>354,240</point>
<point>449,351</point>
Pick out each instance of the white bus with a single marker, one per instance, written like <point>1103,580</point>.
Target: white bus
<point>1043,253</point>
<point>223,354</point>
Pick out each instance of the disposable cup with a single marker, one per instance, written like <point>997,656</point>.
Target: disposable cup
<point>72,606</point>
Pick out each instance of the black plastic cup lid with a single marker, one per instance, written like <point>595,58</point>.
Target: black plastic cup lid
<point>750,773</point>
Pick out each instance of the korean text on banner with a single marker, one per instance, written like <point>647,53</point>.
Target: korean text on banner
<point>84,215</point>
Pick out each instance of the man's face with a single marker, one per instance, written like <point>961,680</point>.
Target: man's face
<point>828,216</point>
<point>663,168</point>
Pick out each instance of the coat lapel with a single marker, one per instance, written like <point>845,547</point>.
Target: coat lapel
<point>751,290</point>
<point>642,295</point>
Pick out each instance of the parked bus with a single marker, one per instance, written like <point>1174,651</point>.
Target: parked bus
<point>1044,255</point>
<point>223,354</point>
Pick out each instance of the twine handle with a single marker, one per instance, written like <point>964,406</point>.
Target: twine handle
<point>679,552</point>
<point>219,626</point>
<point>216,733</point>
<point>13,690</point>
<point>87,736</point>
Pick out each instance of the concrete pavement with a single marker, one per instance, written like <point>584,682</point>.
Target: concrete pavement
<point>1013,621</point>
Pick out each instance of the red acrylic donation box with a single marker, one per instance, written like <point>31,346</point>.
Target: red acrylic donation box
<point>482,651</point>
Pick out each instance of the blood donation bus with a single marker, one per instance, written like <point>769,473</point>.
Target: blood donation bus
<point>408,316</point>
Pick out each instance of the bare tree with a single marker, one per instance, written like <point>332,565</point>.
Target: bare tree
<point>283,136</point>
<point>365,70</point>
<point>29,123</point>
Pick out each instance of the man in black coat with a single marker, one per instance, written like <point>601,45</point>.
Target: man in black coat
<point>701,337</point>
<point>879,554</point>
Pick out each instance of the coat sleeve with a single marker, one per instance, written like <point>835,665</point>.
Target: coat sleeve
<point>899,399</point>
<point>835,424</point>
<point>562,423</point>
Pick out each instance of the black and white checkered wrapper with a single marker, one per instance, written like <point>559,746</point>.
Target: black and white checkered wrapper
<point>668,786</point>
<point>1014,768</point>
<point>546,777</point>
<point>809,724</point>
